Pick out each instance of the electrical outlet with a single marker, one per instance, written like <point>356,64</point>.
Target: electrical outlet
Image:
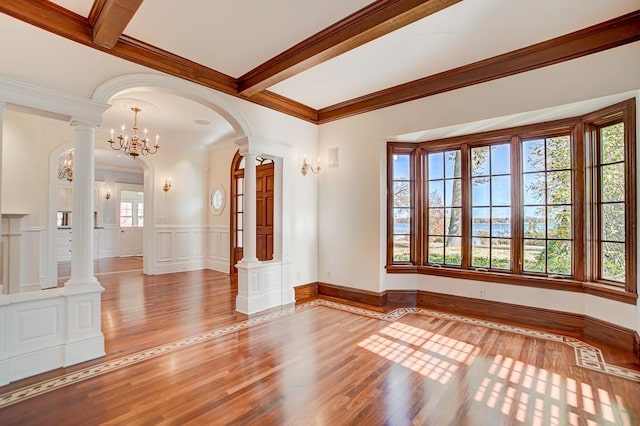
<point>482,294</point>
<point>328,274</point>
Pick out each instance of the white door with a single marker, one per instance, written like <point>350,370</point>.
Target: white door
<point>131,222</point>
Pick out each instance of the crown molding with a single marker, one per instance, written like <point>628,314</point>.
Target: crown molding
<point>606,35</point>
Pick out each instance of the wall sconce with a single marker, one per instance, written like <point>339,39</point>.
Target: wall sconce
<point>167,185</point>
<point>107,195</point>
<point>306,167</point>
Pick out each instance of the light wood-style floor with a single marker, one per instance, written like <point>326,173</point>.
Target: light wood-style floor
<point>321,363</point>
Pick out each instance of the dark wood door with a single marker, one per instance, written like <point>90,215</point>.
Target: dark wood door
<point>264,211</point>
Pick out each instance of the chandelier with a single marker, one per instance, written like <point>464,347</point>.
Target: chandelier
<point>134,145</point>
<point>66,168</point>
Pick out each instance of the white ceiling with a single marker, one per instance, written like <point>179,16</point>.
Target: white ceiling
<point>234,37</point>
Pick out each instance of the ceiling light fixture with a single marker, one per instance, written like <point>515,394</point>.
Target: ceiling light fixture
<point>66,168</point>
<point>134,145</point>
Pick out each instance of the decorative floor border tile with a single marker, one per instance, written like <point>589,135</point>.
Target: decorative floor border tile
<point>587,356</point>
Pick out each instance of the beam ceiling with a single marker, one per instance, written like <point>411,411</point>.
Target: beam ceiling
<point>370,22</point>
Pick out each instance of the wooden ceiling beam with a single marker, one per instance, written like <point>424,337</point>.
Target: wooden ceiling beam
<point>109,18</point>
<point>606,35</point>
<point>58,20</point>
<point>373,21</point>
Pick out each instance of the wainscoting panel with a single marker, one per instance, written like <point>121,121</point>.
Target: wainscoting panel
<point>219,248</point>
<point>164,245</point>
<point>180,248</point>
<point>30,262</point>
<point>108,246</point>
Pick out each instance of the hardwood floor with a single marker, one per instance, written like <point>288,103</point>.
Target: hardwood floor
<point>320,363</point>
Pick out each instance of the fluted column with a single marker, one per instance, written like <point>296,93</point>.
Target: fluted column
<point>249,217</point>
<point>82,210</point>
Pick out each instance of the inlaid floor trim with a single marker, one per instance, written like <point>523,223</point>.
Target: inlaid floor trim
<point>587,356</point>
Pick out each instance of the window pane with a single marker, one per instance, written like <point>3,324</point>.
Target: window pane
<point>533,155</point>
<point>612,182</point>
<point>239,221</point>
<point>453,221</point>
<point>613,222</point>
<point>559,222</point>
<point>435,166</point>
<point>453,193</point>
<point>436,193</point>
<point>612,143</point>
<point>401,248</point>
<point>480,191</point>
<point>453,251</point>
<point>534,256</point>
<point>436,250</point>
<point>534,222</point>
<point>613,266</point>
<point>140,220</point>
<point>436,221</point>
<point>401,195</point>
<point>480,222</point>
<point>534,188</point>
<point>400,167</point>
<point>480,252</point>
<point>501,190</point>
<point>500,253</point>
<point>558,153</point>
<point>480,161</point>
<point>240,188</point>
<point>239,203</point>
<point>401,225</point>
<point>501,222</point>
<point>559,187</point>
<point>239,239</point>
<point>452,164</point>
<point>500,159</point>
<point>126,222</point>
<point>559,257</point>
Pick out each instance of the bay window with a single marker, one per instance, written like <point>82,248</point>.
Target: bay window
<point>550,205</point>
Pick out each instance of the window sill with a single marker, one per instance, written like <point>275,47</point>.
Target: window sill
<point>594,289</point>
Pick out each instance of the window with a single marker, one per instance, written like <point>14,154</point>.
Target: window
<point>126,214</point>
<point>401,210</point>
<point>131,209</point>
<point>545,205</point>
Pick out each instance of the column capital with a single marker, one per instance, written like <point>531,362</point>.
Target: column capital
<point>79,124</point>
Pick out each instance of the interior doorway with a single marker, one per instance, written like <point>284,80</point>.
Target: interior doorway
<point>131,222</point>
<point>265,185</point>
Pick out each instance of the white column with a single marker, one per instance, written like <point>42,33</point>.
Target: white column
<point>249,217</point>
<point>82,210</point>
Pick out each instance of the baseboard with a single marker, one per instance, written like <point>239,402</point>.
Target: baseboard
<point>545,319</point>
<point>83,350</point>
<point>402,298</point>
<point>514,314</point>
<point>608,333</point>
<point>305,291</point>
<point>220,266</point>
<point>352,294</point>
<point>172,267</point>
<point>35,362</point>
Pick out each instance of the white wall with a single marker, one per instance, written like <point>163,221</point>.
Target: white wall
<point>352,197</point>
<point>27,143</point>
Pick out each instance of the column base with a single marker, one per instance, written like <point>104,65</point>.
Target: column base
<point>260,287</point>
